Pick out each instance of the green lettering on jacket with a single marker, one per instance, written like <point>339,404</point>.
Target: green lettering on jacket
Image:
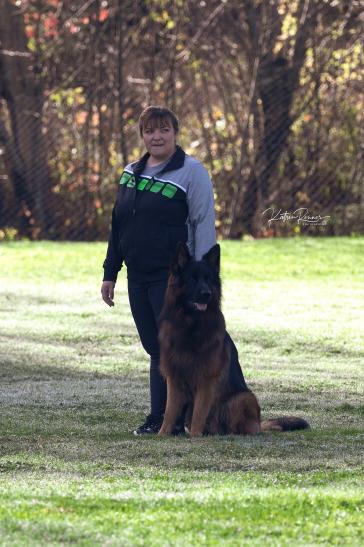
<point>152,185</point>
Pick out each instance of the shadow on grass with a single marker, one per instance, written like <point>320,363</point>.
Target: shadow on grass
<point>287,342</point>
<point>56,418</point>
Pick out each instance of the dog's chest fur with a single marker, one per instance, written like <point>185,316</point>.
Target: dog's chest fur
<point>195,351</point>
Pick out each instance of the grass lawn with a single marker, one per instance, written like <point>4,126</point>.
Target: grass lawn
<point>74,384</point>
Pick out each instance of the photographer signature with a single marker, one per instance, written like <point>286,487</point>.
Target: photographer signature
<point>301,215</point>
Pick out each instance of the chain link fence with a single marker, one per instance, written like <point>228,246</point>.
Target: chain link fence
<point>273,108</point>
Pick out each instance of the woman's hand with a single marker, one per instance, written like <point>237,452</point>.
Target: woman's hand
<point>107,292</point>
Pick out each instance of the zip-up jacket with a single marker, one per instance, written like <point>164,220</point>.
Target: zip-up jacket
<point>156,208</point>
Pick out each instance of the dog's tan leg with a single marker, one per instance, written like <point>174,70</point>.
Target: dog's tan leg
<point>175,402</point>
<point>201,408</point>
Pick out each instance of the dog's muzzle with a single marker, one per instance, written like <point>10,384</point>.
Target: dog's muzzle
<point>204,297</point>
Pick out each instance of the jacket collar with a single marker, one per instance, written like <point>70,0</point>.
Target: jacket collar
<point>176,162</point>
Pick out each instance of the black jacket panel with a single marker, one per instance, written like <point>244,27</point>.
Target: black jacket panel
<point>146,226</point>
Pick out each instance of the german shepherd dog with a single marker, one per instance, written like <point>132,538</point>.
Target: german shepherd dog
<point>195,356</point>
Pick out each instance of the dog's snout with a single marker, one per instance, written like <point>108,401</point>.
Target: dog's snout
<point>205,294</point>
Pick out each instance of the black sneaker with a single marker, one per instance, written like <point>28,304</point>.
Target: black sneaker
<point>152,425</point>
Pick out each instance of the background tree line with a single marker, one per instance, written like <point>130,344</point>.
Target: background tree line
<point>269,94</point>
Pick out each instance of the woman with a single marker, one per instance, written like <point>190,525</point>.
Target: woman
<point>163,198</point>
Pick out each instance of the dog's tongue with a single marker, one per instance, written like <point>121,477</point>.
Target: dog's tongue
<point>200,307</point>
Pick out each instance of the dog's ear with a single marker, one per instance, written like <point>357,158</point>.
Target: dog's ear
<point>181,258</point>
<point>213,257</point>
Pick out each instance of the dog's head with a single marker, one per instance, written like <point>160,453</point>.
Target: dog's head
<point>199,281</point>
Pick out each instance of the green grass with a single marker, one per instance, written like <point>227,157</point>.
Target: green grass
<point>74,383</point>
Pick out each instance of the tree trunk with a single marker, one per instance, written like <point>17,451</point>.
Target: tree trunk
<point>23,140</point>
<point>277,81</point>
<point>276,93</point>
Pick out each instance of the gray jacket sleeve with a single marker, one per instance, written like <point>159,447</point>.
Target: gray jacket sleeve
<point>201,212</point>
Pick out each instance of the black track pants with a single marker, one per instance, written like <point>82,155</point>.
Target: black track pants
<point>146,301</point>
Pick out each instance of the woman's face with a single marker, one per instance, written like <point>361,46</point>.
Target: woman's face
<point>159,139</point>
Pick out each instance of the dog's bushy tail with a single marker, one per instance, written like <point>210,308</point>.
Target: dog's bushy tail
<point>284,423</point>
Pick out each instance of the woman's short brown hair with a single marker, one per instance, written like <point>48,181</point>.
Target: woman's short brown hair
<point>157,116</point>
